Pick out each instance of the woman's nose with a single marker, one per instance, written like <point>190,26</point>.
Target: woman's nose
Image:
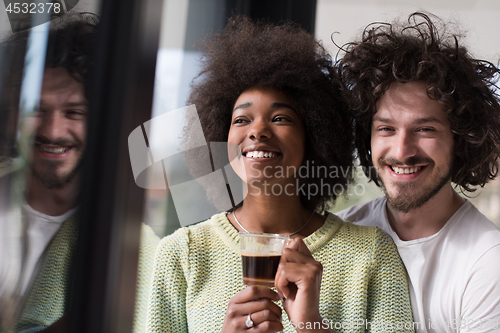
<point>260,131</point>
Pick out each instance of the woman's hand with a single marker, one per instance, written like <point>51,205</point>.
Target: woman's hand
<point>258,302</point>
<point>298,280</point>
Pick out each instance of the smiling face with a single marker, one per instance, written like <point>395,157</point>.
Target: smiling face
<point>411,145</point>
<point>60,129</point>
<point>269,134</point>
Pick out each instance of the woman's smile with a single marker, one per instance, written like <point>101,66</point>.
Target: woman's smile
<point>268,131</point>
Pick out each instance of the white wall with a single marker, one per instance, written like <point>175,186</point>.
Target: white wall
<point>477,18</point>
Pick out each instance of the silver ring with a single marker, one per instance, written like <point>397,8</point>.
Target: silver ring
<point>249,321</point>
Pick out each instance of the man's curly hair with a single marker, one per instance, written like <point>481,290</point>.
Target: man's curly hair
<point>71,43</point>
<point>71,40</point>
<point>250,54</point>
<point>464,86</point>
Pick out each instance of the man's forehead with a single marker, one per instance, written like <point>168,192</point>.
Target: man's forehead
<point>58,82</point>
<point>411,100</point>
<point>58,77</point>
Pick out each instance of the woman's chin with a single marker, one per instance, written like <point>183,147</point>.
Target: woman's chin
<point>271,186</point>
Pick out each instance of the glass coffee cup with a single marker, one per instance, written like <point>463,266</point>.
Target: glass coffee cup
<point>260,256</point>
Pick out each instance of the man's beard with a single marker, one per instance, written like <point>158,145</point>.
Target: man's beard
<point>46,170</point>
<point>404,201</point>
<point>46,174</point>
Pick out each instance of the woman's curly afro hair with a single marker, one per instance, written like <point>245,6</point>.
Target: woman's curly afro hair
<point>419,51</point>
<point>250,54</point>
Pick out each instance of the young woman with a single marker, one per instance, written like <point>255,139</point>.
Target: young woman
<point>270,91</point>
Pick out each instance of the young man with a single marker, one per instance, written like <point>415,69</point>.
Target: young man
<point>39,201</point>
<point>427,116</point>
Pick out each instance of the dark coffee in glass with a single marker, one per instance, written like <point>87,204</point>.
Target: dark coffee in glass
<point>260,256</point>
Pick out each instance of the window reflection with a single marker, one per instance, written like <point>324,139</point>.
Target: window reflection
<point>23,251</point>
<point>43,145</point>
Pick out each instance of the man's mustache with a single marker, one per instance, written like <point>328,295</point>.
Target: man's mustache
<point>414,160</point>
<point>59,142</point>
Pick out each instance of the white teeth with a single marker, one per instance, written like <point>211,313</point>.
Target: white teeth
<point>261,154</point>
<point>55,150</point>
<point>405,171</point>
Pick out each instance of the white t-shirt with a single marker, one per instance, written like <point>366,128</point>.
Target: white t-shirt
<point>454,275</point>
<point>40,229</point>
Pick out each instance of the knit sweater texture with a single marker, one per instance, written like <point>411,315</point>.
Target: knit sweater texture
<point>50,296</point>
<point>198,269</point>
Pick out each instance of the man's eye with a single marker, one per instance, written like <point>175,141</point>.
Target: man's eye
<point>75,114</point>
<point>426,129</point>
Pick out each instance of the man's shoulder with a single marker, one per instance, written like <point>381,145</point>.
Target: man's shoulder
<point>472,214</point>
<point>371,213</point>
<point>471,225</point>
<point>7,180</point>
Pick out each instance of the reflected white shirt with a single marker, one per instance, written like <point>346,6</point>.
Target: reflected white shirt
<point>40,229</point>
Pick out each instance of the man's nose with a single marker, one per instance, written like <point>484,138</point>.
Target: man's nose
<point>404,146</point>
<point>259,130</point>
<point>52,126</point>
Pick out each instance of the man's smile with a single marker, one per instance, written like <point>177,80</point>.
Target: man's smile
<point>53,149</point>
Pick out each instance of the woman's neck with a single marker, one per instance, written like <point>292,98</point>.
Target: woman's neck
<point>275,214</point>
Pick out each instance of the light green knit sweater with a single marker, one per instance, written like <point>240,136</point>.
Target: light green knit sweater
<point>198,269</point>
<point>50,297</point>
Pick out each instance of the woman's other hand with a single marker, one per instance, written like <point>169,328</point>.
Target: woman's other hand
<point>298,280</point>
<point>258,302</point>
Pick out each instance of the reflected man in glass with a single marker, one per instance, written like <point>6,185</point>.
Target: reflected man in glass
<point>44,211</point>
<point>40,196</point>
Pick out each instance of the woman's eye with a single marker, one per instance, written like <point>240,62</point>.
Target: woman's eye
<point>280,118</point>
<point>239,121</point>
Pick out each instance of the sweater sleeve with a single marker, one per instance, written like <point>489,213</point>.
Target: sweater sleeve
<point>147,250</point>
<point>167,301</point>
<point>389,303</point>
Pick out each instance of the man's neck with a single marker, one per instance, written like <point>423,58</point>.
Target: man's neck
<point>53,202</point>
<point>427,220</point>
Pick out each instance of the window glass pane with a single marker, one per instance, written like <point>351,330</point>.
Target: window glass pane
<point>45,65</point>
